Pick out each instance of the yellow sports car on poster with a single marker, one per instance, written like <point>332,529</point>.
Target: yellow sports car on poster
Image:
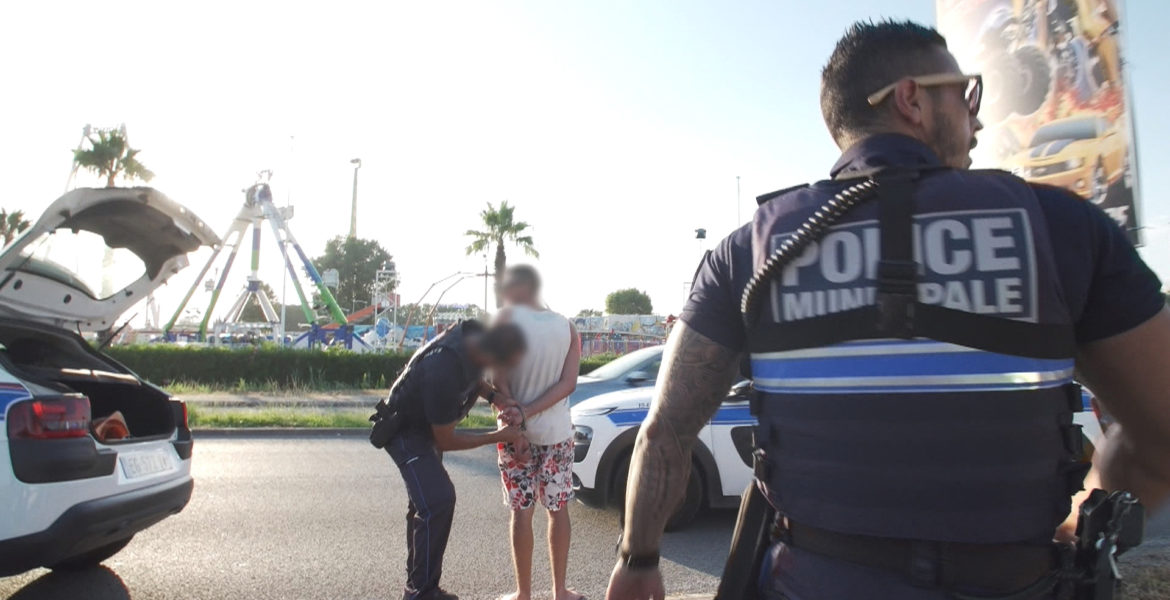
<point>1084,154</point>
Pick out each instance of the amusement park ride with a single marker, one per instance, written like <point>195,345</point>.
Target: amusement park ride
<point>258,208</point>
<point>331,328</point>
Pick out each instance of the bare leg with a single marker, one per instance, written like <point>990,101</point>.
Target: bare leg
<point>522,553</point>
<point>559,530</point>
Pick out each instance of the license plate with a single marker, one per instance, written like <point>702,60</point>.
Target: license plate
<point>142,464</point>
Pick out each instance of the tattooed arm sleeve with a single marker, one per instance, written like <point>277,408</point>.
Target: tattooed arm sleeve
<point>696,374</point>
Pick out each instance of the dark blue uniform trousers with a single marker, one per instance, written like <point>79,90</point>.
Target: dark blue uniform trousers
<point>429,511</point>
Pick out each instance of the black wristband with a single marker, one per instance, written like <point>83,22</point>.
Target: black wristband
<point>635,562</point>
<point>638,562</point>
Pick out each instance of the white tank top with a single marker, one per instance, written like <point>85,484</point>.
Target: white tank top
<point>547,335</point>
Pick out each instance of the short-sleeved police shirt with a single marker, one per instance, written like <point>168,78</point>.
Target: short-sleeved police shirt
<point>1107,287</point>
<point>439,393</point>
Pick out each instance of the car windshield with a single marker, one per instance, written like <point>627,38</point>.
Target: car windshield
<point>619,366</point>
<point>82,260</point>
<point>1080,129</point>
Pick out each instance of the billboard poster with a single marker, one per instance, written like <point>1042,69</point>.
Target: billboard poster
<point>1056,104</point>
<point>638,325</point>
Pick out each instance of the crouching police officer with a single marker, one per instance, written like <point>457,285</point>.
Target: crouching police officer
<point>416,424</point>
<point>913,329</point>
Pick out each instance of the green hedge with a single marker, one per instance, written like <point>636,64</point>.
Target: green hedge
<point>592,362</point>
<point>272,366</point>
<point>284,367</point>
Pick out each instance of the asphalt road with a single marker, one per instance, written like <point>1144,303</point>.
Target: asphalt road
<point>316,517</point>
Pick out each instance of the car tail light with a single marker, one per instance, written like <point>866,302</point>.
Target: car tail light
<point>179,410</point>
<point>49,418</point>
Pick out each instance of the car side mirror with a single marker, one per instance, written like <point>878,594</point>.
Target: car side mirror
<point>742,389</point>
<point>637,377</point>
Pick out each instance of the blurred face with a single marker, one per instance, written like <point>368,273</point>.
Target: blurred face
<point>517,291</point>
<point>488,360</point>
<point>949,123</point>
<point>511,363</point>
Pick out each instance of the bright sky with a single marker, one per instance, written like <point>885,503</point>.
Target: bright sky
<point>616,128</point>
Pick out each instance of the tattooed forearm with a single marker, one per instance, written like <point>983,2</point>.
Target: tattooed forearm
<point>696,373</point>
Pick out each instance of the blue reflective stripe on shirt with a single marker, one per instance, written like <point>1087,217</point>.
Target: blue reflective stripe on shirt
<point>778,388</point>
<point>961,362</point>
<point>903,366</point>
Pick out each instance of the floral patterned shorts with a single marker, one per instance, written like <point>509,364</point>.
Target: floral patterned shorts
<point>537,471</point>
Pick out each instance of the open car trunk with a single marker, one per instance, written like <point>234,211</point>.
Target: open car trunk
<point>94,253</point>
<point>63,362</point>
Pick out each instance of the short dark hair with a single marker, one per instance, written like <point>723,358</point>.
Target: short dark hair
<point>503,342</point>
<point>525,274</point>
<point>868,57</point>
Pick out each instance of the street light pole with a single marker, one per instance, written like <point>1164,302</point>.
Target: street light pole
<point>410,315</point>
<point>738,204</point>
<point>357,164</point>
<point>284,277</point>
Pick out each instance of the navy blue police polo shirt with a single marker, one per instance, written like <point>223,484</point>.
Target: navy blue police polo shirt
<point>1107,288</point>
<point>438,391</point>
<point>445,379</point>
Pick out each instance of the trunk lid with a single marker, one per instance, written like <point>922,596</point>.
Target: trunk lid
<point>95,253</point>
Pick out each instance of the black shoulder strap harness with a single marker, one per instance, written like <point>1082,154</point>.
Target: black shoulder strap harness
<point>897,312</point>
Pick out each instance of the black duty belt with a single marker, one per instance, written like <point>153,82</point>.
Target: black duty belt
<point>991,568</point>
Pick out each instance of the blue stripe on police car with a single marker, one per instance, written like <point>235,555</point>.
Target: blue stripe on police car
<point>729,415</point>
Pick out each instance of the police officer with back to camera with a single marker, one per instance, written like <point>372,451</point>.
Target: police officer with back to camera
<point>912,329</point>
<point>416,424</point>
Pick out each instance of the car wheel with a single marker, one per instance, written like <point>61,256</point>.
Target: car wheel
<point>1002,80</point>
<point>1036,77</point>
<point>692,502</point>
<point>687,509</point>
<point>1100,184</point>
<point>92,558</point>
<point>617,485</point>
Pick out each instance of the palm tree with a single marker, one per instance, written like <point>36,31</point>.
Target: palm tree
<point>12,224</point>
<point>109,155</point>
<point>499,227</point>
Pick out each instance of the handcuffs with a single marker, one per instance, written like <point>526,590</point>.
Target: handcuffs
<point>523,419</point>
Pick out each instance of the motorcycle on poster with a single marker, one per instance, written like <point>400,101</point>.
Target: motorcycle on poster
<point>1055,105</point>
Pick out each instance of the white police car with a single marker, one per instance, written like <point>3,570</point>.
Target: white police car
<point>604,430</point>
<point>636,369</point>
<point>605,427</point>
<point>90,454</point>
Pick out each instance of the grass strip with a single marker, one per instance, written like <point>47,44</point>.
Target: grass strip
<point>188,382</point>
<point>187,387</point>
<point>299,418</point>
